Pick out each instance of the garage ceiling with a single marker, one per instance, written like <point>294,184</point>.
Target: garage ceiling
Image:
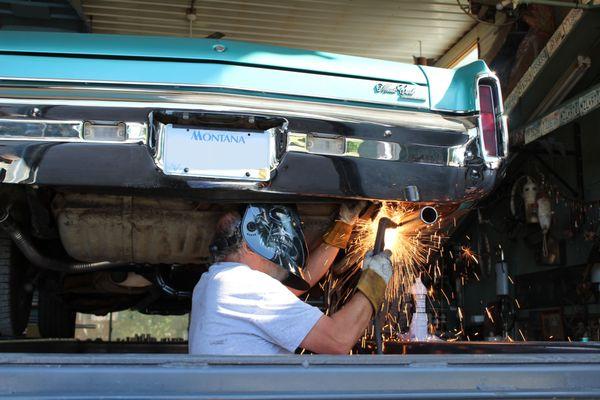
<point>379,29</point>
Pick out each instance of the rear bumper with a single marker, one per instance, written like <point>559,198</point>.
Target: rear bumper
<point>132,166</point>
<point>41,144</point>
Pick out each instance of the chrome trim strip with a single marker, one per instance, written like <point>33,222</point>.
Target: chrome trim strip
<point>222,102</point>
<point>136,132</point>
<point>341,146</point>
<point>421,98</point>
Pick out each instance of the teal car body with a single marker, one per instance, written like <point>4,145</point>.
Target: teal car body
<point>158,76</point>
<point>233,67</point>
<point>127,149</point>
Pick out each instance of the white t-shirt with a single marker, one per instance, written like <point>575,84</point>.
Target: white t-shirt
<point>237,310</point>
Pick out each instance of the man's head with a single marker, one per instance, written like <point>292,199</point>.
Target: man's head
<point>267,238</point>
<point>227,242</point>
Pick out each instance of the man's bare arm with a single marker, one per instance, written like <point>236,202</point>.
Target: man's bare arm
<point>335,239</point>
<point>340,332</point>
<point>318,264</point>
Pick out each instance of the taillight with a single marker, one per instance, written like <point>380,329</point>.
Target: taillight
<point>489,122</point>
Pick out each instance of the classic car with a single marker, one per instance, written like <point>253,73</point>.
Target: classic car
<point>118,154</point>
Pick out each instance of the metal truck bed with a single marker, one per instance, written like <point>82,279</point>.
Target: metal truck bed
<point>145,376</point>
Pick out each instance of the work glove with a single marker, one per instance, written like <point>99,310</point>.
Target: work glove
<point>339,233</point>
<point>376,274</point>
<point>349,213</point>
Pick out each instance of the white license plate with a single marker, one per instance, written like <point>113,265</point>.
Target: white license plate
<point>218,153</point>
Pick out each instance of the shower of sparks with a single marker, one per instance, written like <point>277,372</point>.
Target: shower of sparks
<point>410,246</point>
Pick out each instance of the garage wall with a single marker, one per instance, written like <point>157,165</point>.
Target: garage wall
<point>521,242</point>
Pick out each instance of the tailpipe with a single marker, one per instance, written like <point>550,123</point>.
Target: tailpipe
<point>429,215</point>
<point>24,244</point>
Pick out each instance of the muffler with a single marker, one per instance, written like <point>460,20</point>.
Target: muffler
<point>24,244</point>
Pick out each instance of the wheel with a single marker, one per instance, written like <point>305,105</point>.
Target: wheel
<point>16,290</point>
<point>55,318</point>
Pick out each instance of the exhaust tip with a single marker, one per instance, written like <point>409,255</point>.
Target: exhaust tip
<point>429,215</point>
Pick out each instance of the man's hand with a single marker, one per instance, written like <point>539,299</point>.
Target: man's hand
<point>349,213</point>
<point>338,333</point>
<point>376,274</point>
<point>339,233</point>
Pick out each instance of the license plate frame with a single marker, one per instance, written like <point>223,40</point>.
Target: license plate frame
<point>244,155</point>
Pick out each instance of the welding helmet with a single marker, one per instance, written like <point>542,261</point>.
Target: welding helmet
<point>274,232</point>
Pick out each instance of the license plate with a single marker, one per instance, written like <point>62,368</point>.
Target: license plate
<point>221,154</point>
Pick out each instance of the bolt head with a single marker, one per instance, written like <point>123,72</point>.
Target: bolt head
<point>219,48</point>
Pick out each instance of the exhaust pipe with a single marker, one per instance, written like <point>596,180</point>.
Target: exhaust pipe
<point>429,215</point>
<point>39,260</point>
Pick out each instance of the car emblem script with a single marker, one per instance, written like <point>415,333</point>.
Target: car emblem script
<point>401,89</point>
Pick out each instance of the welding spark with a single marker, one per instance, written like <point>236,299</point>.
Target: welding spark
<point>467,254</point>
<point>447,299</point>
<point>489,314</point>
<point>410,249</point>
<point>523,336</point>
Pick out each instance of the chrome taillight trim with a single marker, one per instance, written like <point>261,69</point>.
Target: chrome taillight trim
<point>502,122</point>
<point>494,106</point>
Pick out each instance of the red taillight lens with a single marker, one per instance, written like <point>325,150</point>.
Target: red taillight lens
<point>488,120</point>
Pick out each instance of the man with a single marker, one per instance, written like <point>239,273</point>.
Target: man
<point>247,301</point>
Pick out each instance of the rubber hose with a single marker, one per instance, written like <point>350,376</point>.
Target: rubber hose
<point>41,261</point>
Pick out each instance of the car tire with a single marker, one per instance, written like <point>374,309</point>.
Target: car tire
<point>55,318</point>
<point>16,290</point>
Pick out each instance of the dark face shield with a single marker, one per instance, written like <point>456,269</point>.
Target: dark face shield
<point>274,232</point>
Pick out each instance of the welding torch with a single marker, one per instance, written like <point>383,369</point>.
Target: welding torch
<point>428,215</point>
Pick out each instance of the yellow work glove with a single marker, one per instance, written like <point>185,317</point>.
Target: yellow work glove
<point>339,233</point>
<point>377,272</point>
